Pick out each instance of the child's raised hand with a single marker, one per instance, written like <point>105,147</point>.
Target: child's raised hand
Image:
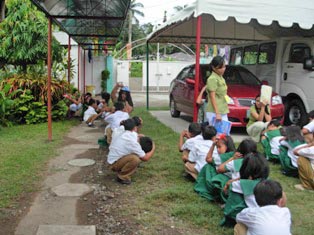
<point>237,155</point>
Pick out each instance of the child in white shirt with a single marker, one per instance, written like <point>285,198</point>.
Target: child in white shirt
<point>90,115</point>
<point>271,217</point>
<point>308,129</point>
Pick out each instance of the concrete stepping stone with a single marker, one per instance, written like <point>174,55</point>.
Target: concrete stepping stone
<point>66,230</point>
<point>71,190</point>
<point>81,162</point>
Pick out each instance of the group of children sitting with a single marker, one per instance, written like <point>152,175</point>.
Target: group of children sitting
<point>237,178</point>
<point>127,148</point>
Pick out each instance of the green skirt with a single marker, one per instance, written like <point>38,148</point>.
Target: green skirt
<point>286,166</point>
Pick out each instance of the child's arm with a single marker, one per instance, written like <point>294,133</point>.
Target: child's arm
<point>114,92</point>
<point>149,154</point>
<point>227,185</point>
<point>199,99</point>
<point>209,157</point>
<point>181,139</point>
<point>222,169</point>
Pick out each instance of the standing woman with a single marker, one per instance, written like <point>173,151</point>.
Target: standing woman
<point>217,91</point>
<point>259,119</point>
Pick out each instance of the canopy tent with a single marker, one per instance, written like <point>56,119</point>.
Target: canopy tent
<point>87,20</point>
<point>230,22</point>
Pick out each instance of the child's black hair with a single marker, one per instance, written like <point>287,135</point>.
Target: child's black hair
<point>119,106</point>
<point>195,128</point>
<point>311,114</point>
<point>293,133</point>
<point>247,146</point>
<point>91,102</point>
<point>267,192</point>
<point>128,124</point>
<point>254,166</point>
<point>105,96</point>
<point>228,141</point>
<point>137,120</point>
<point>208,132</point>
<point>146,143</point>
<point>274,122</point>
<point>128,97</point>
<point>88,94</point>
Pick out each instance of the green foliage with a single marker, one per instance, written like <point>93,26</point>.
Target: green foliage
<point>104,77</point>
<point>59,110</point>
<point>23,35</point>
<point>136,69</point>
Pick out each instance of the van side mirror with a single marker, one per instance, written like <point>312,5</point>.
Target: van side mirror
<point>190,81</point>
<point>308,64</point>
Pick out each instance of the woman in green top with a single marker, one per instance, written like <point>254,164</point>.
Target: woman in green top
<point>217,91</point>
<point>259,119</point>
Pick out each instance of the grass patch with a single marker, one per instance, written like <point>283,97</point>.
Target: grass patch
<point>162,193</point>
<point>24,152</point>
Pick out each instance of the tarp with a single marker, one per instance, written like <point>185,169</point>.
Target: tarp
<point>236,21</point>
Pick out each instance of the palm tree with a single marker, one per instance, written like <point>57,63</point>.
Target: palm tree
<point>133,13</point>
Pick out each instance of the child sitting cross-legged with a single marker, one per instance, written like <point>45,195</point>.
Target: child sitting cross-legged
<point>272,217</point>
<point>254,168</point>
<point>197,155</point>
<point>225,147</point>
<point>191,136</point>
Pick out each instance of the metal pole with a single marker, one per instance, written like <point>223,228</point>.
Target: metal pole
<point>197,66</point>
<point>84,85</point>
<point>69,59</point>
<point>147,76</point>
<point>78,66</point>
<point>49,81</point>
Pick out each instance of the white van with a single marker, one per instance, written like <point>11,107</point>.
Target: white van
<point>287,65</point>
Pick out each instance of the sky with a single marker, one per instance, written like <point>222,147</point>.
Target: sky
<point>154,9</point>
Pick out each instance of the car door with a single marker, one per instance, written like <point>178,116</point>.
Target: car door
<point>178,89</point>
<point>188,91</point>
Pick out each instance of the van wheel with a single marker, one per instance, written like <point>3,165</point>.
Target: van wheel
<point>295,113</point>
<point>201,114</point>
<point>173,111</point>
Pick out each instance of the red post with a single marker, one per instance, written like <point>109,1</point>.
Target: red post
<point>78,66</point>
<point>49,81</point>
<point>197,66</point>
<point>69,59</point>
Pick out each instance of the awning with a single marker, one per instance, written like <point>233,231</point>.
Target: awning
<point>87,21</point>
<point>236,21</point>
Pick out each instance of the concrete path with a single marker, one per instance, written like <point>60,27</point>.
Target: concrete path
<point>53,211</point>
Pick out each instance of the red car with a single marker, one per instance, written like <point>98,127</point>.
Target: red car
<point>243,87</point>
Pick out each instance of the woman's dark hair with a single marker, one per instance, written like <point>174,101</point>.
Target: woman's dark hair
<point>195,128</point>
<point>254,166</point>
<point>208,132</point>
<point>217,62</point>
<point>258,110</point>
<point>128,124</point>
<point>267,192</point>
<point>293,133</point>
<point>146,143</point>
<point>105,96</point>
<point>128,97</point>
<point>228,141</point>
<point>247,146</point>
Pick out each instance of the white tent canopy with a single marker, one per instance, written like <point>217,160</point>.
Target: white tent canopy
<point>236,21</point>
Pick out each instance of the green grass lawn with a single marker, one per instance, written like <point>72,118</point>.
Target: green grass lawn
<point>24,152</point>
<point>161,189</point>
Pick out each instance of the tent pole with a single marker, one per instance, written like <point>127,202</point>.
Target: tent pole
<point>147,76</point>
<point>197,66</point>
<point>49,81</point>
<point>69,59</point>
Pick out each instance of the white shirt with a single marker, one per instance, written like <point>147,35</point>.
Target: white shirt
<point>308,153</point>
<point>232,173</point>
<point>115,118</point>
<point>266,220</point>
<point>275,144</point>
<point>122,144</point>
<point>310,126</point>
<point>190,143</point>
<point>199,152</point>
<point>88,113</point>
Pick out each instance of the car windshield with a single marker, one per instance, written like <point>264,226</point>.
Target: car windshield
<point>234,75</point>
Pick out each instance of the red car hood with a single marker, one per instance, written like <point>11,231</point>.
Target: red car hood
<point>243,91</point>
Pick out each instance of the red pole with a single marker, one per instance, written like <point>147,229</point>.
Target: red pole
<point>84,87</point>
<point>69,59</point>
<point>49,81</point>
<point>197,66</point>
<point>78,67</point>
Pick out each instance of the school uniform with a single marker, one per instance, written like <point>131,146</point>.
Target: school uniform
<point>124,154</point>
<point>270,220</point>
<point>310,126</point>
<point>89,113</point>
<point>271,144</point>
<point>306,167</point>
<point>191,142</point>
<point>287,159</point>
<point>114,121</point>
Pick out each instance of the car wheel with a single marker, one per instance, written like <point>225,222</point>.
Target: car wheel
<point>173,111</point>
<point>201,114</point>
<point>295,113</point>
